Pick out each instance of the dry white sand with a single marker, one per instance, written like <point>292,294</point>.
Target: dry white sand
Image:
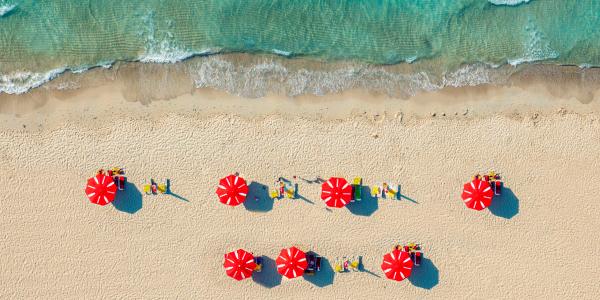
<point>537,241</point>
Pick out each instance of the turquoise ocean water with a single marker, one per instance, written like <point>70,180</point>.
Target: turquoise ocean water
<point>41,39</point>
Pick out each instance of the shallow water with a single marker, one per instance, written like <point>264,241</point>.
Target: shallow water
<point>41,39</point>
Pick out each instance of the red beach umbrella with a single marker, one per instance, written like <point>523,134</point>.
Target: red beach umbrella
<point>239,264</point>
<point>291,262</point>
<point>477,194</point>
<point>336,192</point>
<point>232,190</point>
<point>397,265</point>
<point>101,189</point>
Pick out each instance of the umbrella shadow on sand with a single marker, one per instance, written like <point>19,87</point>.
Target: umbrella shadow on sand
<point>268,277</point>
<point>324,277</point>
<point>425,276</point>
<point>506,205</point>
<point>129,200</point>
<point>367,206</point>
<point>258,198</point>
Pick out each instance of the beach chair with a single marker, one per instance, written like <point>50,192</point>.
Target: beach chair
<point>415,252</point>
<point>153,187</point>
<point>120,182</point>
<point>319,263</point>
<point>147,189</point>
<point>374,191</point>
<point>357,189</point>
<point>497,187</point>
<point>354,263</point>
<point>391,193</point>
<point>311,259</point>
<point>416,257</point>
<point>385,190</point>
<point>258,260</point>
<point>289,193</point>
<point>274,194</point>
<point>338,268</point>
<point>162,188</point>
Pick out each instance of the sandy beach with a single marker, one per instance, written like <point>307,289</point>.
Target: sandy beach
<point>536,241</point>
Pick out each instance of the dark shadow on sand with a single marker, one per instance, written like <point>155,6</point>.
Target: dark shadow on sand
<point>305,199</point>
<point>425,276</point>
<point>258,198</point>
<point>324,277</point>
<point>268,277</point>
<point>178,197</point>
<point>365,207</point>
<point>370,273</point>
<point>506,205</point>
<point>361,268</point>
<point>402,196</point>
<point>129,200</point>
<point>170,192</point>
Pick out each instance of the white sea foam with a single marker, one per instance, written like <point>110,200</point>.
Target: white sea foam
<point>271,76</point>
<point>508,2</point>
<point>6,8</point>
<point>22,82</point>
<point>536,48</point>
<point>411,59</point>
<point>164,52</point>
<point>163,48</point>
<point>282,53</point>
<point>79,70</point>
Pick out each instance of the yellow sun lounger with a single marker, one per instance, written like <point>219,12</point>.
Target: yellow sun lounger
<point>354,265</point>
<point>290,193</point>
<point>274,194</point>
<point>375,191</point>
<point>338,267</point>
<point>147,189</point>
<point>162,188</point>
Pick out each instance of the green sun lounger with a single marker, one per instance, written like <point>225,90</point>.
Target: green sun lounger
<point>357,189</point>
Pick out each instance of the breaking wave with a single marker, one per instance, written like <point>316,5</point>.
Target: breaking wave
<point>536,47</point>
<point>508,2</point>
<point>6,8</point>
<point>22,82</point>
<point>271,76</point>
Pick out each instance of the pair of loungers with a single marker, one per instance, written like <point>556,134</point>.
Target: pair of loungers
<point>348,264</point>
<point>387,191</point>
<point>155,188</point>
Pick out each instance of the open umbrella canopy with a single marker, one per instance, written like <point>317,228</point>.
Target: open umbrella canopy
<point>336,192</point>
<point>397,265</point>
<point>232,190</point>
<point>477,194</point>
<point>101,189</point>
<point>291,262</point>
<point>239,264</point>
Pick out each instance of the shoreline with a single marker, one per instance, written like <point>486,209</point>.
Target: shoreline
<point>258,76</point>
<point>132,91</point>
